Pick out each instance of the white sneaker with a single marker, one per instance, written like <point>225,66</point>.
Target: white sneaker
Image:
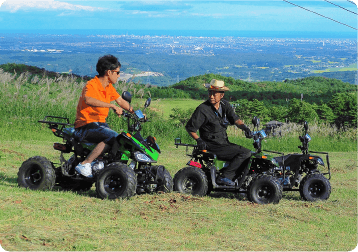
<point>84,169</point>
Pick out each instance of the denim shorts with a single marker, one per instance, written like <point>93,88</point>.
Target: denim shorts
<point>96,132</point>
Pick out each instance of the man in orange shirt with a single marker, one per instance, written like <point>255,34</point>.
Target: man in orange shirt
<point>93,107</point>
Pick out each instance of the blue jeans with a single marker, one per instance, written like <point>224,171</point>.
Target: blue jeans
<point>96,132</point>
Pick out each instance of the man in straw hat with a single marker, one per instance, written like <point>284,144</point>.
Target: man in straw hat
<point>211,118</point>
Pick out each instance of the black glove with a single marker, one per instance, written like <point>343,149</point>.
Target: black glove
<point>201,144</point>
<point>248,133</point>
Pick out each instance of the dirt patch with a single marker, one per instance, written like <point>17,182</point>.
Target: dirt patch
<point>12,152</point>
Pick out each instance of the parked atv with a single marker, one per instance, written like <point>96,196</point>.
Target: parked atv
<point>302,170</point>
<point>125,169</point>
<point>259,178</point>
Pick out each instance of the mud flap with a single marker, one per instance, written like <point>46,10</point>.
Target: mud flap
<point>160,174</point>
<point>213,176</point>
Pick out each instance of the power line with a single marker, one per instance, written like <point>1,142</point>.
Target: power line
<point>352,2</point>
<point>340,7</point>
<point>320,15</point>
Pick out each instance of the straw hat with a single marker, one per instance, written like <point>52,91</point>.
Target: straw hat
<point>216,85</point>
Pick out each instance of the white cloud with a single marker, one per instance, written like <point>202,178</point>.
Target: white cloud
<point>15,5</point>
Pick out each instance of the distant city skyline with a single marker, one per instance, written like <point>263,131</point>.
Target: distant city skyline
<point>336,16</point>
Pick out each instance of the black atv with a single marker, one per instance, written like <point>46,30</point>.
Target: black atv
<point>125,169</point>
<point>303,171</point>
<point>258,180</point>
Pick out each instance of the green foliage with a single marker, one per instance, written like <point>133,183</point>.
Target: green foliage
<point>278,113</point>
<point>181,115</point>
<point>325,113</point>
<point>300,111</point>
<point>344,106</point>
<point>248,109</point>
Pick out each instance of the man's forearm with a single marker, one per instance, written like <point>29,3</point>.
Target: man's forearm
<point>240,124</point>
<point>97,103</point>
<point>125,105</point>
<point>193,135</point>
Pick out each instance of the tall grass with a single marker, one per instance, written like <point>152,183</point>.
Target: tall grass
<point>28,98</point>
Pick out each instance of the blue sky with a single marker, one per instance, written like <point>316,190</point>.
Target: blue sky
<point>254,15</point>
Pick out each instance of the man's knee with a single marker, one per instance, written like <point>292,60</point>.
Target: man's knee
<point>110,141</point>
<point>247,154</point>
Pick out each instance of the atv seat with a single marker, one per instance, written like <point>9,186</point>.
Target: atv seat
<point>84,143</point>
<point>289,160</point>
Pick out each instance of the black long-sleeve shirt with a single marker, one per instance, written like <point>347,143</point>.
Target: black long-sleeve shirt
<point>212,123</point>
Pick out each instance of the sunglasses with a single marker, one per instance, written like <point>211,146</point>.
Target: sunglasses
<point>116,72</point>
<point>211,92</point>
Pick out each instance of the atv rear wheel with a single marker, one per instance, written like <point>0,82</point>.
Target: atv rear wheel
<point>315,187</point>
<point>191,180</point>
<point>37,173</point>
<point>116,180</point>
<point>165,181</point>
<point>264,190</point>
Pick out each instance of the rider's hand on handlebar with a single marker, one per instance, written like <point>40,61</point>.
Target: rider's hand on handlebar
<point>247,131</point>
<point>117,110</point>
<point>201,144</point>
<point>248,134</point>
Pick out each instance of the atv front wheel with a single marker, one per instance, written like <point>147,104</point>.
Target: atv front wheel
<point>164,179</point>
<point>315,187</point>
<point>37,173</point>
<point>191,180</point>
<point>264,190</point>
<point>116,180</point>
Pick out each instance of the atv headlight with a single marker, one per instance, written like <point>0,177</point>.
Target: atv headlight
<point>308,138</point>
<point>263,133</point>
<point>143,158</point>
<point>274,162</point>
<point>320,161</point>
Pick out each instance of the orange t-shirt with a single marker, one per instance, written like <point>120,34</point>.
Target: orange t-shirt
<point>86,114</point>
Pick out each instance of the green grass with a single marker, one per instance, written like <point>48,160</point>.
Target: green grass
<point>59,220</point>
<point>165,106</point>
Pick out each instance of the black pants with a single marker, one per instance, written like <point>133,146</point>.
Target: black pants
<point>236,154</point>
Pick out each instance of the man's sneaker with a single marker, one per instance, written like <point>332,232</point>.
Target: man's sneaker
<point>84,169</point>
<point>224,181</point>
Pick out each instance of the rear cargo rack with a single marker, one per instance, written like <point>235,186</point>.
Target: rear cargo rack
<point>56,124</point>
<point>62,120</point>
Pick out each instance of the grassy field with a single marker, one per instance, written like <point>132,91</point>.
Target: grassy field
<point>60,220</point>
<point>165,106</point>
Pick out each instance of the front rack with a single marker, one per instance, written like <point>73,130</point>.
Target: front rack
<point>178,143</point>
<point>327,159</point>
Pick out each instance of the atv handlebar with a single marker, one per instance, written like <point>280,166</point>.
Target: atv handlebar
<point>135,116</point>
<point>138,117</point>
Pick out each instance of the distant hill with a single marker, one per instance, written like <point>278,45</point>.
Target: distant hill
<point>22,68</point>
<point>313,89</point>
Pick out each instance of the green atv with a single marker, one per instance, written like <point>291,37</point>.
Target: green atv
<point>127,168</point>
